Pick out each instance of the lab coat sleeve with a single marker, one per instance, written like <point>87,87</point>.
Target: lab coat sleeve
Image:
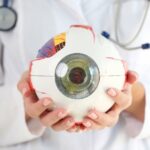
<point>13,127</point>
<point>134,127</point>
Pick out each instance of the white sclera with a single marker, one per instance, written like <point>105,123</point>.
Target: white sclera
<point>61,70</point>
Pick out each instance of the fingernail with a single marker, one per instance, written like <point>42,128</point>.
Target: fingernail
<point>87,124</point>
<point>93,115</point>
<point>62,114</point>
<point>70,123</point>
<point>46,102</point>
<point>112,92</point>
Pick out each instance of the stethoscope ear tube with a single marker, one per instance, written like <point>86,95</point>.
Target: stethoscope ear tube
<point>5,3</point>
<point>144,46</point>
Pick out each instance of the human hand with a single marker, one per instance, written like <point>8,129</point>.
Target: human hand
<point>58,118</point>
<point>123,99</point>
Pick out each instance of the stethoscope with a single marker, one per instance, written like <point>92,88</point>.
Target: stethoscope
<point>125,46</point>
<point>8,16</point>
<point>8,19</point>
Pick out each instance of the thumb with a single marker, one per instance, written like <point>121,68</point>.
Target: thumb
<point>131,77</point>
<point>23,84</point>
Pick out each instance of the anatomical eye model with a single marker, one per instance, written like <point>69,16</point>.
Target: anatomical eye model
<point>75,68</point>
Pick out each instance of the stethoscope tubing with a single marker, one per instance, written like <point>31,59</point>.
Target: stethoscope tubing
<point>116,40</point>
<point>5,3</point>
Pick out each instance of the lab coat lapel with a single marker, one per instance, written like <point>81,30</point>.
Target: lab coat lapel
<point>75,9</point>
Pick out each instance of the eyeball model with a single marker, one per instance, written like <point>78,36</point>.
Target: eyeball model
<point>75,69</point>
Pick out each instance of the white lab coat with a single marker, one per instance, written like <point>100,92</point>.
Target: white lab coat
<point>38,21</point>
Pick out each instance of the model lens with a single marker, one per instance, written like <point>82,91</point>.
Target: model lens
<point>77,76</point>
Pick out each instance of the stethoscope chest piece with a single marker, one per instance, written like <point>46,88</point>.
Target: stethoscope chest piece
<point>8,18</point>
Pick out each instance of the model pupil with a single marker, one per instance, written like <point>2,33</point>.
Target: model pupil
<point>77,75</point>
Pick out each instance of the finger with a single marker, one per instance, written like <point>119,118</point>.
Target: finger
<point>104,119</point>
<point>30,97</point>
<point>131,77</point>
<point>127,89</point>
<point>122,98</point>
<point>35,109</point>
<point>114,110</point>
<point>23,84</point>
<point>75,128</point>
<point>64,124</point>
<point>53,117</point>
<point>91,125</point>
<point>23,87</point>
